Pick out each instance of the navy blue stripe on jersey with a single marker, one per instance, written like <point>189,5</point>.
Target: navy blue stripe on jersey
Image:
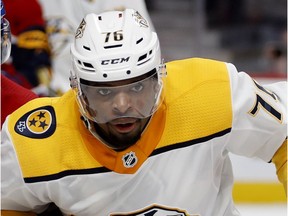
<point>190,142</point>
<point>104,169</point>
<point>66,173</point>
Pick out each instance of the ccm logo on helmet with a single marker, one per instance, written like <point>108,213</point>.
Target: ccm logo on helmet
<point>114,61</point>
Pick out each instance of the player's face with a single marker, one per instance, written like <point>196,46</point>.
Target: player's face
<point>121,109</point>
<point>127,99</point>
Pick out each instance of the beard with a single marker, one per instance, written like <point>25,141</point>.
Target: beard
<point>116,141</point>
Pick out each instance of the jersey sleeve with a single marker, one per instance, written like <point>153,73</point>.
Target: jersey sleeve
<point>15,195</point>
<point>259,116</point>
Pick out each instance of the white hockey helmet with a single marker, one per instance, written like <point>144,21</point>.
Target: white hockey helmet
<point>111,47</point>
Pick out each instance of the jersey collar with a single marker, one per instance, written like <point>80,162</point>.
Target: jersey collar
<point>129,160</point>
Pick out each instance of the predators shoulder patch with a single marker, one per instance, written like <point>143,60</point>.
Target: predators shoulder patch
<point>38,123</point>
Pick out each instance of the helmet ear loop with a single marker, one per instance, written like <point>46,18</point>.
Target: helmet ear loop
<point>162,72</point>
<point>73,81</point>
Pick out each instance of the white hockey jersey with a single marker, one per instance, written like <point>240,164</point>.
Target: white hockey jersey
<point>180,165</point>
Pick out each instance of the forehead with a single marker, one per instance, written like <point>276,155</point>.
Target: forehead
<point>120,82</point>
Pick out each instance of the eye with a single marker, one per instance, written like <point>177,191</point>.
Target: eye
<point>137,87</point>
<point>104,92</point>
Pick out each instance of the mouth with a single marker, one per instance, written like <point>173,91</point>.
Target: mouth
<point>124,125</point>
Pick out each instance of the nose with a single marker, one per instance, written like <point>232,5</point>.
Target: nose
<point>121,103</point>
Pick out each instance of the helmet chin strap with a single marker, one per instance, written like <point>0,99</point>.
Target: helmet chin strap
<point>73,80</point>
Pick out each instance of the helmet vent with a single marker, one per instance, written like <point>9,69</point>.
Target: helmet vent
<point>144,58</point>
<point>140,63</point>
<point>139,41</point>
<point>113,46</point>
<point>87,48</point>
<point>86,66</point>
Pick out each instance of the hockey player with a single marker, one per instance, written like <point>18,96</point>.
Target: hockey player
<point>12,94</point>
<point>136,136</point>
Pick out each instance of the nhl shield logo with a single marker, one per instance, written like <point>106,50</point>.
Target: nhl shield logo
<point>129,159</point>
<point>38,123</point>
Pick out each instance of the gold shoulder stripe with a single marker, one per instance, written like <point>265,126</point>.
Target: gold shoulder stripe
<point>197,94</point>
